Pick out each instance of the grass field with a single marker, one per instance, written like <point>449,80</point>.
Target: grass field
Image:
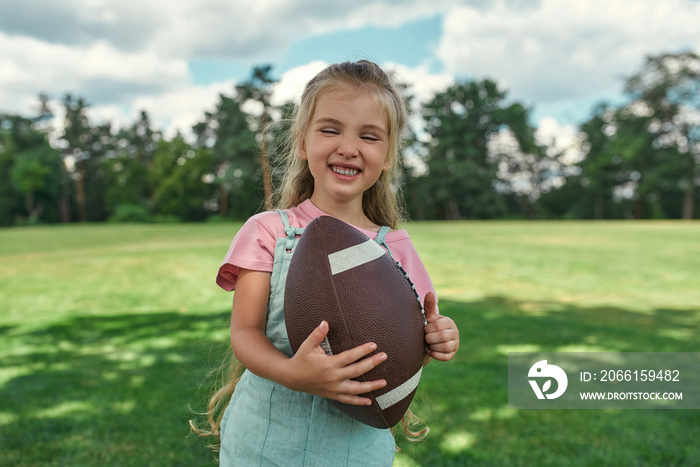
<point>106,332</point>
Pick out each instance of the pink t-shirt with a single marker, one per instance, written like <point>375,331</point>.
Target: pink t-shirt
<point>253,247</point>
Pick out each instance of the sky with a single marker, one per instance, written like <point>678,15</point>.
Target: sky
<point>172,58</point>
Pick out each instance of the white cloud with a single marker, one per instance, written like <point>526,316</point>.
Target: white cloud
<point>126,25</point>
<point>180,109</point>
<point>244,29</point>
<point>127,56</point>
<point>131,55</point>
<point>563,49</point>
<point>422,83</point>
<point>205,28</point>
<point>293,81</point>
<point>99,72</point>
<point>173,111</point>
<point>117,85</point>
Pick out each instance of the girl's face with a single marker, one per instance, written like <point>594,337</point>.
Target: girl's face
<point>346,145</point>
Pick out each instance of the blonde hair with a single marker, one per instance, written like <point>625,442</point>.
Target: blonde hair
<point>380,203</point>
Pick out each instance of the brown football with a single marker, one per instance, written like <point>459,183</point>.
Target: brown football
<point>340,275</point>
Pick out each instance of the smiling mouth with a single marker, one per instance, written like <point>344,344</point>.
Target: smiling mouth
<point>344,171</point>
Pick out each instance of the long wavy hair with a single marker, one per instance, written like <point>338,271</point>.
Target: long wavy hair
<point>381,203</point>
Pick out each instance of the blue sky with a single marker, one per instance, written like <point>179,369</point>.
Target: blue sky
<point>411,44</point>
<point>172,58</point>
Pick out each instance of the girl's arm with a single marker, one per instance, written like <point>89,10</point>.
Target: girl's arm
<point>310,369</point>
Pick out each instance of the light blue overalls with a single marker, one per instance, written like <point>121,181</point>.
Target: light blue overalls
<point>266,424</point>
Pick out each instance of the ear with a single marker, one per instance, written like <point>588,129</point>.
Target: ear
<point>302,148</point>
<point>387,162</point>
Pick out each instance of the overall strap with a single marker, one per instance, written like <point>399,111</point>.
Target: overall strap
<point>290,230</point>
<point>381,238</point>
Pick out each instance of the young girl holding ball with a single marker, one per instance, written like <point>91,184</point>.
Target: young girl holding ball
<point>344,138</point>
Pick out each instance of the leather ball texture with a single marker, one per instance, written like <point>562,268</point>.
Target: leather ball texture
<point>340,275</point>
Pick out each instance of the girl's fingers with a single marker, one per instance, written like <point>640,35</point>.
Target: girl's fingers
<point>315,338</point>
<point>438,337</point>
<point>442,338</point>
<point>430,307</point>
<point>441,356</point>
<point>363,366</point>
<point>356,353</point>
<point>349,388</point>
<point>357,387</point>
<point>354,388</point>
<point>439,324</point>
<point>354,400</point>
<point>444,347</point>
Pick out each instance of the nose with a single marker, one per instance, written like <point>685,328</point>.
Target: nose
<point>348,148</point>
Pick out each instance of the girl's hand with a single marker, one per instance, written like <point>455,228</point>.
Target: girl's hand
<point>441,333</point>
<point>330,376</point>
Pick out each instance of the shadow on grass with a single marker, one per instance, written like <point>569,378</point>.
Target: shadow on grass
<point>115,390</point>
<point>465,401</point>
<point>108,390</point>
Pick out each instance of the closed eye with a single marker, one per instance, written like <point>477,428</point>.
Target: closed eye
<point>370,138</point>
<point>330,131</point>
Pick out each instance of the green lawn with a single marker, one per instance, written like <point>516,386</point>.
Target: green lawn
<point>107,331</point>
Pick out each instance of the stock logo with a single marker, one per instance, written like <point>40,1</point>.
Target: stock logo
<point>542,370</point>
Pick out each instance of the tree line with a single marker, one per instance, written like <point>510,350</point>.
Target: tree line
<point>474,156</point>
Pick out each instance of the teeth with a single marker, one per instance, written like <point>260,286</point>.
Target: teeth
<point>342,171</point>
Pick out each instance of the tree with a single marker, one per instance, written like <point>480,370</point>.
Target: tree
<point>32,169</point>
<point>127,174</point>
<point>84,146</point>
<point>127,182</point>
<point>526,169</point>
<point>459,121</point>
<point>184,188</point>
<point>10,197</point>
<point>226,134</point>
<point>38,174</point>
<point>463,171</point>
<point>668,89</point>
<point>259,90</point>
<point>642,168</point>
<point>76,135</point>
<point>412,155</point>
<point>102,147</point>
<point>601,169</point>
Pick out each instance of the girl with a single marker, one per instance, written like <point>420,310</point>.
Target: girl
<point>344,141</point>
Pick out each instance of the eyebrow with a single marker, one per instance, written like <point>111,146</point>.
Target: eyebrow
<point>368,126</point>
